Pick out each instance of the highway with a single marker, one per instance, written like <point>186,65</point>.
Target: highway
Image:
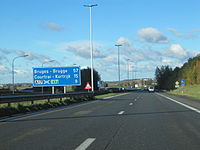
<point>131,121</point>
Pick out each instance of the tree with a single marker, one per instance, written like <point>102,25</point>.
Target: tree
<point>190,72</point>
<point>86,77</point>
<point>165,78</point>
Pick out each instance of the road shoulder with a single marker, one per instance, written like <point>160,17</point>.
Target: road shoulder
<point>185,100</point>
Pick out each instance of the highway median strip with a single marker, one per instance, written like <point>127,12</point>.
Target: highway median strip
<point>27,107</point>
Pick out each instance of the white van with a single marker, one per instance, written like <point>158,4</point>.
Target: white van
<point>151,89</point>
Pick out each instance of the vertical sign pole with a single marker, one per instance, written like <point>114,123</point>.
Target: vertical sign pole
<point>91,50</point>
<point>53,90</point>
<point>118,66</point>
<point>65,89</point>
<point>91,45</point>
<point>42,90</point>
<point>13,78</point>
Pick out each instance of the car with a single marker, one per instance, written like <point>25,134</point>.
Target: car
<point>151,89</point>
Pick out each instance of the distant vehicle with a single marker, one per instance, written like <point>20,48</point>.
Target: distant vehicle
<point>151,89</point>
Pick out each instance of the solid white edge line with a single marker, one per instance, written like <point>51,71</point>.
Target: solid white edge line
<point>86,144</point>
<point>121,112</point>
<point>187,106</point>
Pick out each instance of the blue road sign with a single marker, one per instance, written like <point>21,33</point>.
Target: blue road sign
<point>98,83</point>
<point>56,76</point>
<point>182,82</point>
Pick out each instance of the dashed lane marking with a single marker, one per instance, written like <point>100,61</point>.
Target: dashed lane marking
<point>121,112</point>
<point>86,144</point>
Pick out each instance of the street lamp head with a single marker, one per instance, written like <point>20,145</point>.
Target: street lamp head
<point>90,5</point>
<point>118,45</point>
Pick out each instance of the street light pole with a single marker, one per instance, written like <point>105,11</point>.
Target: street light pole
<point>118,45</point>
<point>13,72</point>
<point>91,45</point>
<point>128,68</point>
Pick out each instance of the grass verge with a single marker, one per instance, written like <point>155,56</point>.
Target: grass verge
<point>26,107</point>
<point>191,91</point>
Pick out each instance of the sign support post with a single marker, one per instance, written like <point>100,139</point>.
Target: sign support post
<point>53,90</point>
<point>65,89</point>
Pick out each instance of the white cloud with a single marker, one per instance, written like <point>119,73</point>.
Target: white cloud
<point>190,34</point>
<point>3,68</point>
<point>178,52</point>
<point>129,51</point>
<point>152,35</point>
<point>82,49</point>
<point>20,71</point>
<point>177,49</point>
<point>31,55</point>
<point>124,41</point>
<point>38,57</point>
<point>52,26</point>
<point>167,61</point>
<point>127,47</point>
<point>110,60</point>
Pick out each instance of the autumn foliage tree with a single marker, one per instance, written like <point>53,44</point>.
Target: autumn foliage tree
<point>190,72</point>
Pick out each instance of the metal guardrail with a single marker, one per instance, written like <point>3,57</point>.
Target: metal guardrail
<point>23,98</point>
<point>32,98</point>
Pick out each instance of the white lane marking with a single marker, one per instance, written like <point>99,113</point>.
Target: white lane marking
<point>187,106</point>
<point>135,99</point>
<point>131,104</point>
<point>115,96</point>
<point>121,112</point>
<point>86,144</point>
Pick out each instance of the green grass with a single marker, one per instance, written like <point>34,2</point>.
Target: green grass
<point>25,107</point>
<point>107,95</point>
<point>29,103</point>
<point>191,91</point>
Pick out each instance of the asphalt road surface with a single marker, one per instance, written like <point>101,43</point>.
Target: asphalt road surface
<point>132,121</point>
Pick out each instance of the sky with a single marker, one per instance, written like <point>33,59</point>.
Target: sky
<point>152,33</point>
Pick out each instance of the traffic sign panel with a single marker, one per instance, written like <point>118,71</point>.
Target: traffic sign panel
<point>182,82</point>
<point>177,83</point>
<point>88,86</point>
<point>56,76</point>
